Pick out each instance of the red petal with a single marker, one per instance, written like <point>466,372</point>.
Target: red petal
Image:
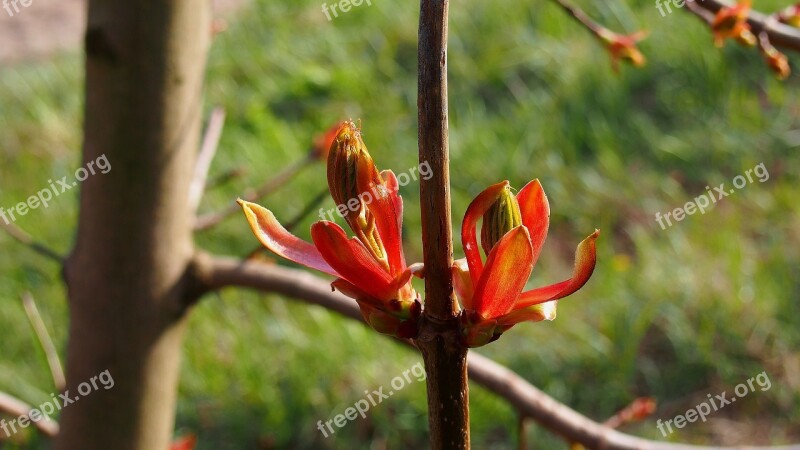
<point>349,289</point>
<point>270,232</point>
<point>585,259</point>
<point>387,208</point>
<point>535,211</point>
<point>187,442</point>
<point>469,239</point>
<point>352,260</point>
<point>507,270</point>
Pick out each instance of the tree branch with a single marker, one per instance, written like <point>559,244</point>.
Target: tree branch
<point>434,150</point>
<point>24,238</point>
<point>17,408</point>
<point>781,35</point>
<point>581,17</point>
<point>212,219</point>
<point>438,340</point>
<point>219,272</point>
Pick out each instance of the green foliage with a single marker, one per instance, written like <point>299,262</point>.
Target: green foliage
<point>675,314</point>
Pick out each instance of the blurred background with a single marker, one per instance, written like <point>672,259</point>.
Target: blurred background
<point>675,313</point>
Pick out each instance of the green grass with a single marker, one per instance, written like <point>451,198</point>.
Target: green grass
<point>675,314</point>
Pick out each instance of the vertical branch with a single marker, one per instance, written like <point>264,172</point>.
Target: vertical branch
<point>433,149</point>
<point>445,357</point>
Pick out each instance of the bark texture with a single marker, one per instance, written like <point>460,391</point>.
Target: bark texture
<point>126,276</point>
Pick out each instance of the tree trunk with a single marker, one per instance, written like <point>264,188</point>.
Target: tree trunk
<point>126,276</point>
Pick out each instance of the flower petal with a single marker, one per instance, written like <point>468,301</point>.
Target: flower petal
<point>462,283</point>
<point>585,259</point>
<point>469,239</point>
<point>352,260</point>
<point>535,211</point>
<point>281,242</point>
<point>386,206</point>
<point>507,270</point>
<point>349,289</point>
<point>418,270</point>
<point>535,313</point>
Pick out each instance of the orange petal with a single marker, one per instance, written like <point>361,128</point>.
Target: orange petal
<point>585,259</point>
<point>469,239</point>
<point>281,242</point>
<point>535,210</point>
<point>352,260</point>
<point>535,313</point>
<point>507,270</point>
<point>462,283</point>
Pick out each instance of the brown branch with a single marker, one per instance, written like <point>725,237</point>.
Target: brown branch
<point>781,35</point>
<point>56,369</point>
<point>24,238</point>
<point>434,150</point>
<point>582,18</point>
<point>219,272</point>
<point>444,356</point>
<point>17,408</point>
<point>703,14</point>
<point>210,220</point>
<point>207,151</point>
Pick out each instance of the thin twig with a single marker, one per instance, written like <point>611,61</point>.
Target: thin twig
<point>225,177</point>
<point>215,273</point>
<point>210,220</point>
<point>24,238</point>
<point>522,432</point>
<point>15,408</point>
<point>56,370</point>
<point>207,151</point>
<point>582,18</point>
<point>703,14</point>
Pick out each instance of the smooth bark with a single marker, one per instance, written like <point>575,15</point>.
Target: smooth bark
<point>126,276</point>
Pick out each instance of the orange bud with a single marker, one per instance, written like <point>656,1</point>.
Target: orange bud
<point>777,62</point>
<point>731,22</point>
<point>351,177</point>
<point>623,47</point>
<point>790,15</point>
